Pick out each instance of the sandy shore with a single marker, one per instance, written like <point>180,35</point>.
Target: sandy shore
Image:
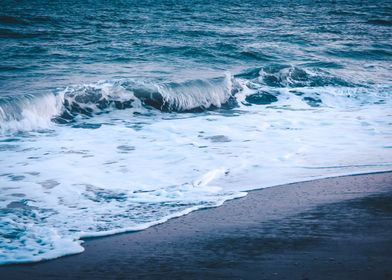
<point>338,228</point>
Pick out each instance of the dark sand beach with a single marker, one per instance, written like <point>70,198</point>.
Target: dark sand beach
<point>337,228</point>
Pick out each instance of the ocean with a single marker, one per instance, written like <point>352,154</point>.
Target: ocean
<point>119,115</point>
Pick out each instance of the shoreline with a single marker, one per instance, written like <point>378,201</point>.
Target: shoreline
<point>264,219</point>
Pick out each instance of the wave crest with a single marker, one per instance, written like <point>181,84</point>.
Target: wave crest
<point>32,112</point>
<point>282,85</point>
<point>29,112</point>
<point>279,76</point>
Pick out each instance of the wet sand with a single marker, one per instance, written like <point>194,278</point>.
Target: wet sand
<point>337,228</point>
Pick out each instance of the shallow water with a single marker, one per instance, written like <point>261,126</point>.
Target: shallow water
<point>117,117</point>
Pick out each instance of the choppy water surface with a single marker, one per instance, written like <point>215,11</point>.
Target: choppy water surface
<point>118,116</point>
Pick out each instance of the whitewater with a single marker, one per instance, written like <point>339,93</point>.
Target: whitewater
<point>105,139</point>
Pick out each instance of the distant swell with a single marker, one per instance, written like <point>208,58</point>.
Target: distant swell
<point>383,22</point>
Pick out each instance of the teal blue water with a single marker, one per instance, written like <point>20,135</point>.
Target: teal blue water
<point>46,45</point>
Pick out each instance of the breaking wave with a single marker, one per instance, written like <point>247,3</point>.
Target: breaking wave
<point>33,112</point>
<point>29,112</point>
<point>280,84</point>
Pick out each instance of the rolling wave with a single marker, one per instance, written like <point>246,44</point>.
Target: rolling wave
<point>30,112</point>
<point>286,85</point>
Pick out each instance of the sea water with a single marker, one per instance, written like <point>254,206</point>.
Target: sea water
<point>115,116</point>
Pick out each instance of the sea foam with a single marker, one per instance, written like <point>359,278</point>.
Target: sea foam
<point>123,155</point>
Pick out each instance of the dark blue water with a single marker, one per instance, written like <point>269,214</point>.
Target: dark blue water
<point>46,45</point>
<point>118,115</point>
